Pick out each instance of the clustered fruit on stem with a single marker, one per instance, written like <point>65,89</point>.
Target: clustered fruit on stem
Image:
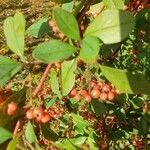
<point>96,90</point>
<point>38,114</point>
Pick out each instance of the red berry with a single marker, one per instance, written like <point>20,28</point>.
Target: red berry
<point>106,88</point>
<point>77,97</point>
<point>92,83</point>
<point>87,98</point>
<point>38,113</point>
<point>96,87</point>
<point>111,96</point>
<point>103,96</point>
<point>46,118</point>
<point>84,92</point>
<point>12,108</point>
<point>95,93</point>
<point>30,114</point>
<point>73,93</point>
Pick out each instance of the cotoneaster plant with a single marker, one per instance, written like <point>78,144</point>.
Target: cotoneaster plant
<point>85,94</point>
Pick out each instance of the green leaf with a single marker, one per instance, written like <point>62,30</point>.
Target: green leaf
<point>117,4</point>
<point>53,51</point>
<point>54,82</point>
<point>90,49</point>
<point>79,122</point>
<point>12,144</point>
<point>8,68</point>
<point>39,29</point>
<point>67,23</point>
<point>50,102</point>
<point>29,133</point>
<point>14,29</point>
<point>78,141</point>
<point>98,107</point>
<point>68,76</point>
<point>4,135</point>
<point>111,26</point>
<point>92,144</point>
<point>126,82</point>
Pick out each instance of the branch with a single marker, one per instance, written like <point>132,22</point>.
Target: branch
<point>84,10</point>
<point>44,76</point>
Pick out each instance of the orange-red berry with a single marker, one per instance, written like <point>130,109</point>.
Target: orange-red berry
<point>12,108</point>
<point>73,93</point>
<point>87,98</point>
<point>95,93</point>
<point>77,97</point>
<point>106,88</point>
<point>103,96</point>
<point>30,114</point>
<point>38,113</point>
<point>46,118</point>
<point>111,96</point>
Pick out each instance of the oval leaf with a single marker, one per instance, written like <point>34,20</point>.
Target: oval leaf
<point>53,51</point>
<point>68,76</point>
<point>4,135</point>
<point>8,68</point>
<point>29,133</point>
<point>39,28</point>
<point>12,144</point>
<point>54,82</point>
<point>14,29</point>
<point>119,4</point>
<point>90,49</point>
<point>111,26</point>
<point>126,82</point>
<point>67,23</point>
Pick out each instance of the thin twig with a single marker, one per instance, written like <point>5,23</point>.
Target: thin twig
<point>44,76</point>
<point>84,10</point>
<point>16,128</point>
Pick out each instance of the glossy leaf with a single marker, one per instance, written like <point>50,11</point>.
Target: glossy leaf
<point>117,4</point>
<point>8,68</point>
<point>29,133</point>
<point>90,49</point>
<point>12,144</point>
<point>14,30</point>
<point>67,23</point>
<point>4,135</point>
<point>126,82</point>
<point>39,29</point>
<point>98,107</point>
<point>78,141</point>
<point>68,76</point>
<point>53,51</point>
<point>54,82</point>
<point>111,29</point>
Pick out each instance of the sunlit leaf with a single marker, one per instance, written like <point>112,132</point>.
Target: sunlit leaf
<point>14,30</point>
<point>67,23</point>
<point>111,29</point>
<point>126,82</point>
<point>53,51</point>
<point>68,76</point>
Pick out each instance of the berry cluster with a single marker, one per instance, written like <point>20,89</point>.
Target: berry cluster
<point>38,114</point>
<point>96,90</point>
<point>12,108</point>
<point>138,5</point>
<point>56,112</point>
<point>55,29</point>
